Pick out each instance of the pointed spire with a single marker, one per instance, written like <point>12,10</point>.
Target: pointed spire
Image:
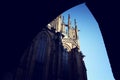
<point>69,25</point>
<point>76,30</point>
<point>68,20</point>
<point>63,18</point>
<point>75,23</point>
<point>62,26</point>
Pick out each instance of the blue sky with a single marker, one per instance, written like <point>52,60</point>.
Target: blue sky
<point>91,43</point>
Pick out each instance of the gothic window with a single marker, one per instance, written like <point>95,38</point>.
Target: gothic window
<point>41,48</point>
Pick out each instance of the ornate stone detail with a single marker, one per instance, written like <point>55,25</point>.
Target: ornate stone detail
<point>69,40</point>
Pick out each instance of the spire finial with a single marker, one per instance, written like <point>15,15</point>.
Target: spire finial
<point>68,16</point>
<point>75,23</point>
<point>63,19</point>
<point>69,26</point>
<point>69,19</point>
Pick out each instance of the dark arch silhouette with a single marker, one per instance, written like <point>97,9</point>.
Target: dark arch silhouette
<point>21,21</point>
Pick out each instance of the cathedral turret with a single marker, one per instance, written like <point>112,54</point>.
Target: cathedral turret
<point>69,25</point>
<point>63,26</point>
<point>76,30</point>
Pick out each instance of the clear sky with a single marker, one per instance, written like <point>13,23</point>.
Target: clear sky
<point>91,43</point>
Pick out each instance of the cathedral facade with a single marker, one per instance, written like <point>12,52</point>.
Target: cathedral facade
<point>54,54</point>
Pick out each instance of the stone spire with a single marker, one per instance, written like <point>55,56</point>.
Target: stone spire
<point>69,25</point>
<point>63,26</point>
<point>76,30</point>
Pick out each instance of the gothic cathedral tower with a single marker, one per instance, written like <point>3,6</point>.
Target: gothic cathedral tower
<point>54,54</point>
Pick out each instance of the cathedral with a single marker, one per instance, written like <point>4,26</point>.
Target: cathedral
<point>54,54</point>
